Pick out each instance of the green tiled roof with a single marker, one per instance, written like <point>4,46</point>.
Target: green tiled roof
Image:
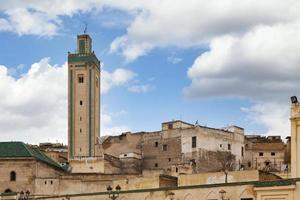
<point>282,182</point>
<point>20,150</point>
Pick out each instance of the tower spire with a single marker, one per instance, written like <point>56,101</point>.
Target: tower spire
<point>85,27</point>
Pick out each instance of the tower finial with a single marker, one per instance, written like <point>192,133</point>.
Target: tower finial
<point>85,27</point>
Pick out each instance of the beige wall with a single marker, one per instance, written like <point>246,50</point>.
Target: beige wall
<point>25,174</point>
<point>217,177</point>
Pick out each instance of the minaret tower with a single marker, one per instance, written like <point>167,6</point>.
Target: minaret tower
<point>83,99</point>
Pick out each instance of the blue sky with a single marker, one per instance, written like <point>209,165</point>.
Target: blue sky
<point>219,68</point>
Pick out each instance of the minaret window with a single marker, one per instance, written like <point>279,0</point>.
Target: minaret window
<point>80,102</point>
<point>80,78</point>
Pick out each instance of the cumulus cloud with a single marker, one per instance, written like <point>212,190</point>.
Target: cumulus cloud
<point>195,23</point>
<point>260,65</point>
<point>33,107</point>
<point>273,115</point>
<point>118,77</point>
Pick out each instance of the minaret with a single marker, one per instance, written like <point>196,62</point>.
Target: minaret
<point>295,137</point>
<point>83,99</point>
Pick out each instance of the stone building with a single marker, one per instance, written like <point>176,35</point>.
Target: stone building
<point>56,151</point>
<point>179,147</point>
<point>265,153</point>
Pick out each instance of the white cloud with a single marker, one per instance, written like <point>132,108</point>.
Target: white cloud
<point>107,125</point>
<point>34,107</point>
<point>194,23</point>
<point>23,21</point>
<point>174,60</point>
<point>118,77</point>
<point>143,88</point>
<point>274,116</point>
<point>261,64</point>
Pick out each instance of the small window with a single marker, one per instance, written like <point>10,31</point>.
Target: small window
<point>229,146</point>
<point>80,118</point>
<point>45,182</point>
<point>80,149</point>
<point>165,147</point>
<point>261,154</point>
<point>221,145</point>
<point>170,159</point>
<point>51,182</point>
<point>249,164</point>
<point>13,176</point>
<point>176,169</point>
<point>272,153</point>
<point>7,190</point>
<point>242,151</point>
<point>170,126</point>
<point>81,102</point>
<point>156,165</point>
<point>194,142</point>
<point>156,144</point>
<point>80,130</point>
<point>125,155</point>
<point>80,78</point>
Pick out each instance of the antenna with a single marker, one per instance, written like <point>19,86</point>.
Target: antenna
<point>85,27</point>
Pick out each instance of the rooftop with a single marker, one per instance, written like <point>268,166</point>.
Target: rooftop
<point>22,150</point>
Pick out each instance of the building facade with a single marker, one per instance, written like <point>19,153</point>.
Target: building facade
<point>179,147</point>
<point>265,153</point>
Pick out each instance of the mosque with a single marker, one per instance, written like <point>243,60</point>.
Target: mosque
<point>158,165</point>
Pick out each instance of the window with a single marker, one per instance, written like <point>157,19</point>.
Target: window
<point>170,126</point>
<point>249,164</point>
<point>221,145</point>
<point>176,169</point>
<point>261,154</point>
<point>7,190</point>
<point>80,149</point>
<point>80,118</point>
<point>156,144</point>
<point>229,146</point>
<point>156,165</point>
<point>81,102</point>
<point>170,159</point>
<point>45,182</point>
<point>194,142</point>
<point>51,182</point>
<point>13,176</point>
<point>80,130</point>
<point>246,198</point>
<point>125,155</point>
<point>165,147</point>
<point>80,78</point>
<point>272,153</point>
<point>242,151</point>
